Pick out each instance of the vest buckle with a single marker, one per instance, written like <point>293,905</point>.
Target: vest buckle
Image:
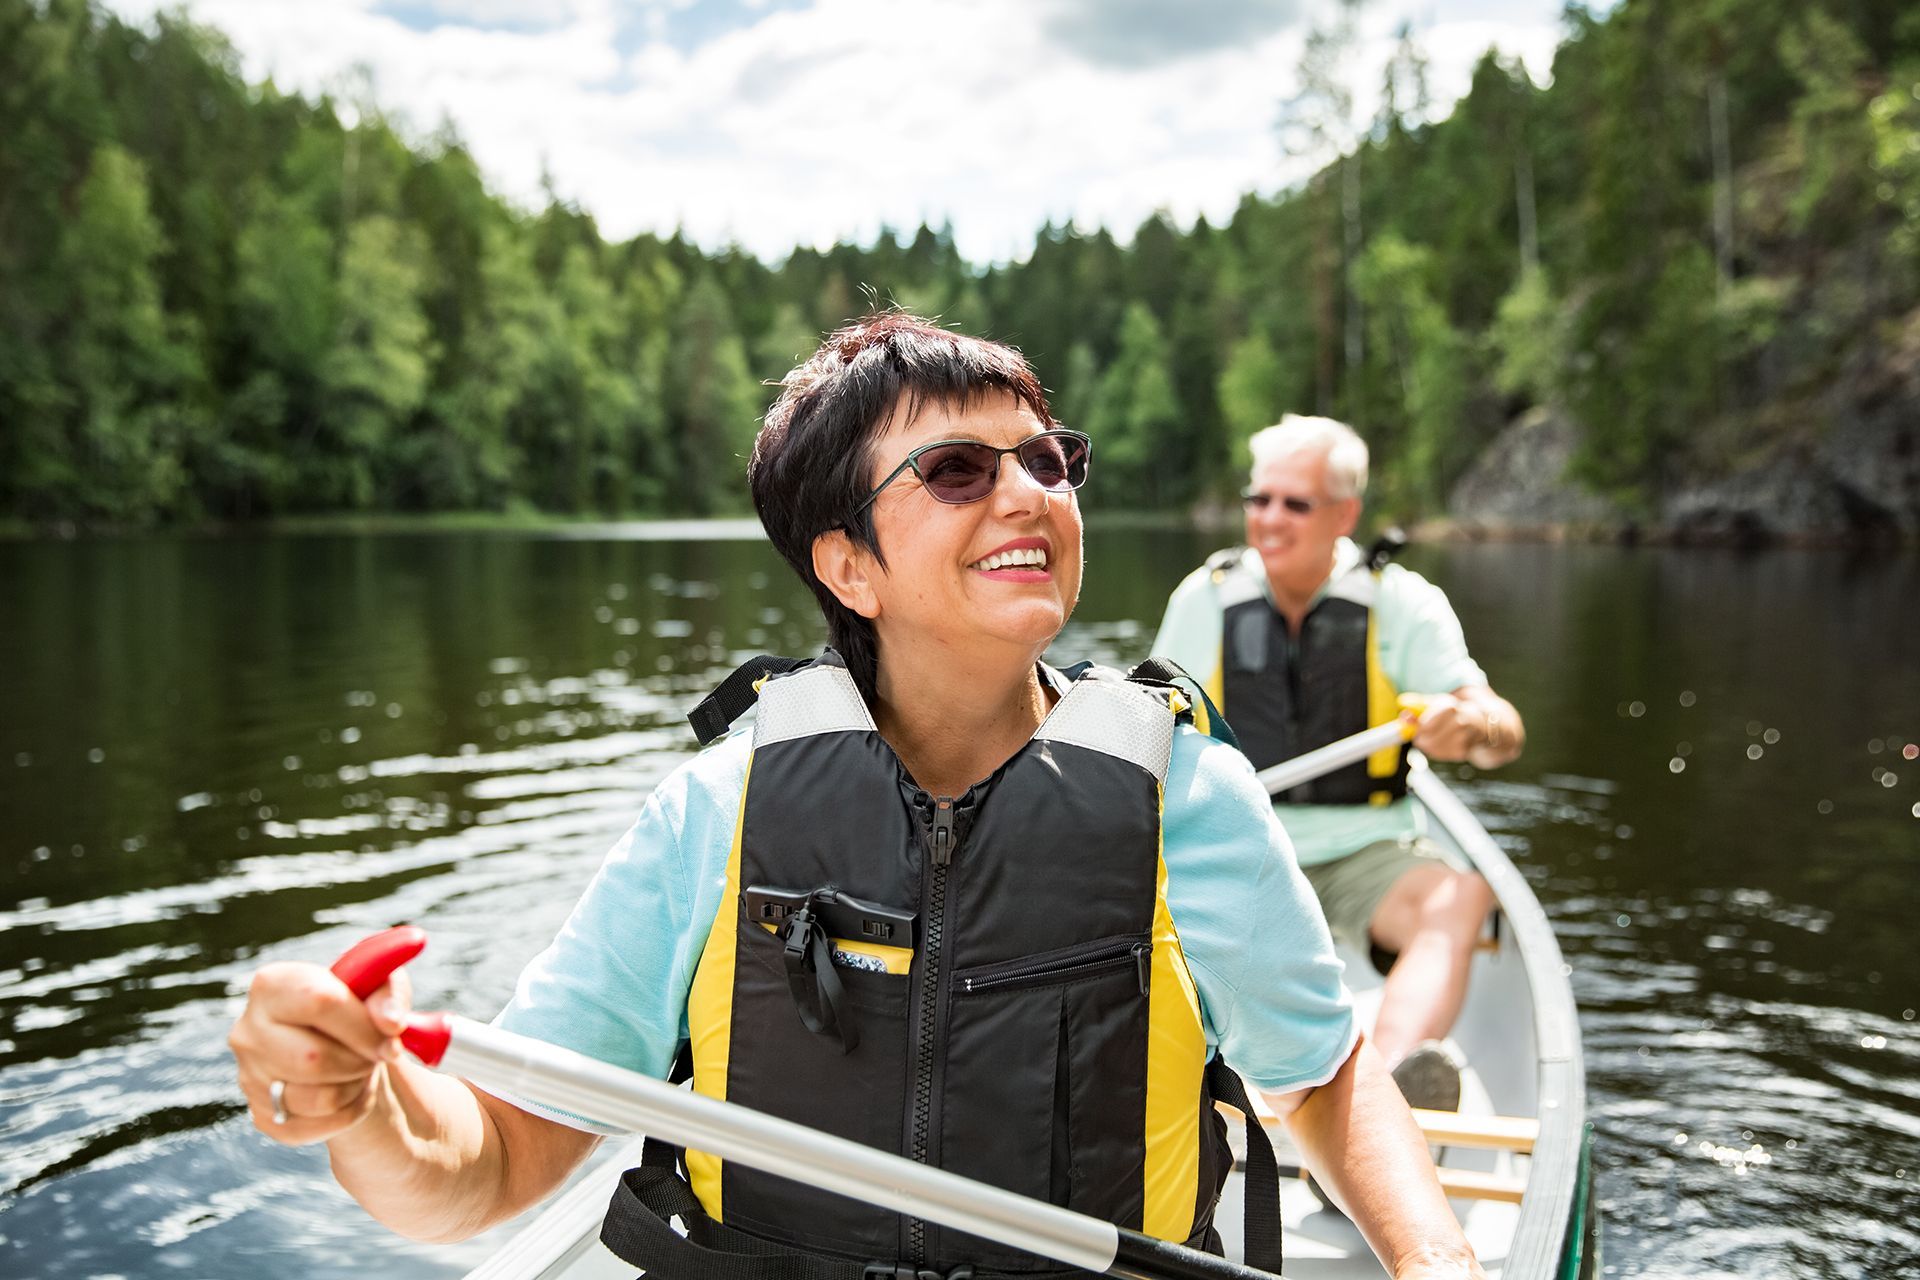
<point>902,1271</point>
<point>800,927</point>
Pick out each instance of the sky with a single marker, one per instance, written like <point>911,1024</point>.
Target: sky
<point>776,123</point>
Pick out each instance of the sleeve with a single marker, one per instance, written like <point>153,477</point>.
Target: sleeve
<point>613,983</point>
<point>1433,648</point>
<point>1252,930</point>
<point>1190,630</point>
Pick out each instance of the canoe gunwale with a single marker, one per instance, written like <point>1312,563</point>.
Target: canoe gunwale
<point>1545,1230</point>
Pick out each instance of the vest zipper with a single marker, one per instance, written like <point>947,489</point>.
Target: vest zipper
<point>943,840</point>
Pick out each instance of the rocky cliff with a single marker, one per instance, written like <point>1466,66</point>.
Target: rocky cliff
<point>1843,467</point>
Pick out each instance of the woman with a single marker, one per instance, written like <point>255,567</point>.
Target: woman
<point>924,904</point>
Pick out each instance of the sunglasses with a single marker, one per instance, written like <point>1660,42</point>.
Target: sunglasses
<point>960,471</point>
<point>1257,501</point>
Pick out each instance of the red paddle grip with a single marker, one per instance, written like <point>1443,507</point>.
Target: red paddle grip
<point>365,968</point>
<point>368,963</point>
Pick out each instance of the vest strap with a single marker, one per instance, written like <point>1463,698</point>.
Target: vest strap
<point>817,991</point>
<point>639,1231</point>
<point>1167,671</point>
<point>1391,542</point>
<point>1262,1189</point>
<point>727,703</point>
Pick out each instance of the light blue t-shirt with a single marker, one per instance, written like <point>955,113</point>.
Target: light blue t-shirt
<point>1422,650</point>
<point>613,984</point>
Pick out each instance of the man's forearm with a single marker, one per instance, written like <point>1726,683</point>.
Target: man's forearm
<point>1360,1140</point>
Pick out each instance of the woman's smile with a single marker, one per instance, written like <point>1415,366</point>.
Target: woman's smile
<point>1022,560</point>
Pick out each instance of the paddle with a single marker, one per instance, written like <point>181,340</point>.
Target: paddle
<point>567,1081</point>
<point>1337,755</point>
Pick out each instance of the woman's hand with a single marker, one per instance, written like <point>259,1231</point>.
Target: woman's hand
<point>327,1050</point>
<point>1439,1265</point>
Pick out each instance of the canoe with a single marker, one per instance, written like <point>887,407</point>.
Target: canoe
<point>1516,1159</point>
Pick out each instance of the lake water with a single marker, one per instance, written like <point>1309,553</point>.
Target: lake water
<point>219,752</point>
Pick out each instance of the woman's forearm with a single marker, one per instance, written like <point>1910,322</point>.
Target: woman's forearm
<point>1361,1142</point>
<point>437,1160</point>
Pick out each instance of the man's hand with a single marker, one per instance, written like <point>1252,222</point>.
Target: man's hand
<point>1472,723</point>
<point>1450,727</point>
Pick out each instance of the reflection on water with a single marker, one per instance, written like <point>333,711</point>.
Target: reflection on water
<point>217,753</point>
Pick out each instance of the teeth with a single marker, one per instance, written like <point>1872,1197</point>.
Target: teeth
<point>1026,557</point>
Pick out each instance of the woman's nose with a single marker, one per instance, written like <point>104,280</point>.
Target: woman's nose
<point>1015,489</point>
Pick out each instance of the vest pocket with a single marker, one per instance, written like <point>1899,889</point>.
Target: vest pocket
<point>1046,1082</point>
<point>779,1067</point>
<point>1078,963</point>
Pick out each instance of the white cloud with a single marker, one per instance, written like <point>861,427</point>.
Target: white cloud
<point>803,125</point>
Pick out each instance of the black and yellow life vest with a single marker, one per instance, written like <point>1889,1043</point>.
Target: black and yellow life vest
<point>990,983</point>
<point>1286,694</point>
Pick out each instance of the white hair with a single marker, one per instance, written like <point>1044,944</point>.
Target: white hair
<point>1345,452</point>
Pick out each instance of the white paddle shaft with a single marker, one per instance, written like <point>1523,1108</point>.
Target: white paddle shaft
<point>1335,755</point>
<point>536,1071</point>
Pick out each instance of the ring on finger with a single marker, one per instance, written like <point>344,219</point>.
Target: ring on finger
<point>277,1095</point>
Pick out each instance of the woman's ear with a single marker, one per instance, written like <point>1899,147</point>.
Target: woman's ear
<point>848,570</point>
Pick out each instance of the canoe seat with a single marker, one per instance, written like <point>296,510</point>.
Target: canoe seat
<point>1471,1184</point>
<point>1457,1184</point>
<point>1444,1128</point>
<point>1514,1134</point>
<point>1498,1133</point>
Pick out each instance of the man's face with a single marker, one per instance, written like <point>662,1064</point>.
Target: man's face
<point>1293,523</point>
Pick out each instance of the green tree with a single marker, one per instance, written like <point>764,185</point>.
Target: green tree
<point>1255,387</point>
<point>1429,360</point>
<point>1830,124</point>
<point>375,374</point>
<point>1134,414</point>
<point>1895,116</point>
<point>714,401</point>
<point>1657,391</point>
<point>1529,340</point>
<point>114,445</point>
<point>283,299</point>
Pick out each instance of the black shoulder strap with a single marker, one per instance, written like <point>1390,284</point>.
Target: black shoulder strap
<point>1262,1191</point>
<point>1227,558</point>
<point>1204,715</point>
<point>639,1231</point>
<point>1391,542</point>
<point>719,709</point>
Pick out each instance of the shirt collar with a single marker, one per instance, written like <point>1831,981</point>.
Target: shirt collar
<point>1346,556</point>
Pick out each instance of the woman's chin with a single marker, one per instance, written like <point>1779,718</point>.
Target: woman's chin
<point>1031,624</point>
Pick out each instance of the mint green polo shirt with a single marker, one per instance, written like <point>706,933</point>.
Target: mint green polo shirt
<point>1422,650</point>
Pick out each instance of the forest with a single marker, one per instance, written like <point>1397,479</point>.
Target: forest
<point>220,302</point>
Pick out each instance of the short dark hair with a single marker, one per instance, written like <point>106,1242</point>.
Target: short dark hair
<point>812,461</point>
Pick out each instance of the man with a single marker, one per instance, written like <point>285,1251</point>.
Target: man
<point>1301,642</point>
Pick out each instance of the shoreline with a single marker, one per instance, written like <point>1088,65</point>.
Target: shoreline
<point>1448,529</point>
<point>644,527</point>
<point>746,527</point>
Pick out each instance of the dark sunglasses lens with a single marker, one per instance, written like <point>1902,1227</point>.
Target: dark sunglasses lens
<point>958,472</point>
<point>1056,463</point>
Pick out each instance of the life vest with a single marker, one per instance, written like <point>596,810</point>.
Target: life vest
<point>1287,694</point>
<point>990,983</point>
